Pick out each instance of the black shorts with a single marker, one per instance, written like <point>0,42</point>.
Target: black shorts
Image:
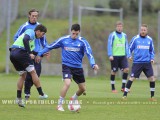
<point>20,59</point>
<point>137,68</point>
<point>119,62</point>
<point>76,73</point>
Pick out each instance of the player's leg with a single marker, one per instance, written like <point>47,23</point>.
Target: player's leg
<point>16,57</point>
<point>148,71</point>
<point>128,86</point>
<point>152,87</point>
<point>28,82</point>
<point>65,87</point>
<point>20,83</point>
<point>67,81</point>
<point>36,82</point>
<point>79,92</point>
<point>125,69</point>
<point>124,78</point>
<point>78,77</point>
<point>114,69</point>
<point>38,71</point>
<point>112,80</point>
<point>63,93</point>
<point>135,73</point>
<point>27,86</point>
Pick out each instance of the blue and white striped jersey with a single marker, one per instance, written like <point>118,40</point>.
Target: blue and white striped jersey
<point>39,43</point>
<point>142,48</point>
<point>72,51</point>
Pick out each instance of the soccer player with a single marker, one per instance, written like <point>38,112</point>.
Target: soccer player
<point>73,48</point>
<point>21,56</point>
<point>39,44</point>
<point>117,53</point>
<point>143,51</point>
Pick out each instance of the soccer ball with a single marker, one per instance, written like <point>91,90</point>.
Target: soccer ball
<point>74,106</point>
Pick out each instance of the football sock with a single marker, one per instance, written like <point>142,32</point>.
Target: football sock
<point>19,93</point>
<point>75,97</point>
<point>112,78</point>
<point>152,88</point>
<point>40,91</point>
<point>60,101</point>
<point>128,85</point>
<point>124,79</point>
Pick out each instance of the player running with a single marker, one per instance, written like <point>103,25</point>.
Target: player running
<point>73,49</point>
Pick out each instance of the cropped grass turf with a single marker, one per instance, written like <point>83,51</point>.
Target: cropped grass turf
<point>99,103</point>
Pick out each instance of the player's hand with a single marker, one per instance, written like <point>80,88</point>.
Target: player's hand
<point>38,59</point>
<point>111,58</point>
<point>32,56</point>
<point>152,61</point>
<point>130,59</point>
<point>47,54</point>
<point>96,67</point>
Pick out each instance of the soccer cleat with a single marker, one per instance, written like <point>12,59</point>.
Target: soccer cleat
<point>114,91</point>
<point>153,99</point>
<point>124,98</point>
<point>60,108</point>
<point>20,102</point>
<point>122,89</point>
<point>43,96</point>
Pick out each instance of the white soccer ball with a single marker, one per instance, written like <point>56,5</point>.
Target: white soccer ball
<point>74,106</point>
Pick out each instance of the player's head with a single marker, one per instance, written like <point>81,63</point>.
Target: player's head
<point>40,30</point>
<point>75,30</point>
<point>33,15</point>
<point>119,26</point>
<point>144,30</point>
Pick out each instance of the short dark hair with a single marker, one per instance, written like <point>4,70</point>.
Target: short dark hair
<point>32,10</point>
<point>75,27</point>
<point>41,27</point>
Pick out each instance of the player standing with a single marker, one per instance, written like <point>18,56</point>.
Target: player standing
<point>143,51</point>
<point>117,53</point>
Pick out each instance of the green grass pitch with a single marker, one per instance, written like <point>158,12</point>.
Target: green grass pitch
<point>99,103</point>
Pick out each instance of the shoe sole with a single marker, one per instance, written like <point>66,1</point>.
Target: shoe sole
<point>21,106</point>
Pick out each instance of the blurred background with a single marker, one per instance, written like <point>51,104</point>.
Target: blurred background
<point>97,19</point>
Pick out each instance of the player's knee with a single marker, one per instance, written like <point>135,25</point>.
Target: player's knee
<point>22,73</point>
<point>67,82</point>
<point>132,78</point>
<point>32,72</point>
<point>83,88</point>
<point>126,70</point>
<point>152,79</point>
<point>113,72</point>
